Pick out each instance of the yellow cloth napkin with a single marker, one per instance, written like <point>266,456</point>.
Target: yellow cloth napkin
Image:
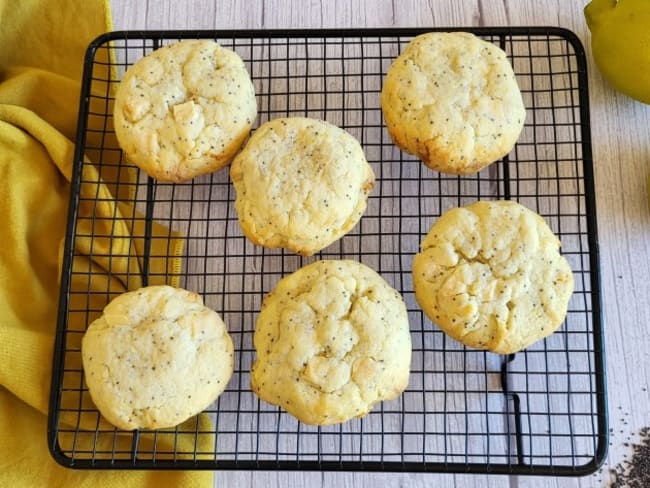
<point>43,43</point>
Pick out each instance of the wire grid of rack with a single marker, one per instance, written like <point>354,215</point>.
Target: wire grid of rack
<point>541,411</point>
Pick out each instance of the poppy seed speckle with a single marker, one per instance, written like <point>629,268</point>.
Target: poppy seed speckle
<point>634,472</point>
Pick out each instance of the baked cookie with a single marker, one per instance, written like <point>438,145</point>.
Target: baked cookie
<point>452,100</point>
<point>301,184</point>
<point>184,110</point>
<point>156,357</point>
<point>332,340</point>
<point>491,276</point>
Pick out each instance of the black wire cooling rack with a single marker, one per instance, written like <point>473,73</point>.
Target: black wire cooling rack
<point>541,411</point>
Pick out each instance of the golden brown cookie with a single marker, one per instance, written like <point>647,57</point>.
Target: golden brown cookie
<point>155,357</point>
<point>452,100</point>
<point>491,276</point>
<point>301,184</point>
<point>332,340</point>
<point>184,110</point>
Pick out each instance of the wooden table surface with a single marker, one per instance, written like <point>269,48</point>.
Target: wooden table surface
<point>621,154</point>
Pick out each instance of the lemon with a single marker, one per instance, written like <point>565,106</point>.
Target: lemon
<point>620,40</point>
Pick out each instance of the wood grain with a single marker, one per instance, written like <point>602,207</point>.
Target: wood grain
<point>621,153</point>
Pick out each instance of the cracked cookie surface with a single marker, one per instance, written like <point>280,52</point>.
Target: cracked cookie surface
<point>452,100</point>
<point>184,110</point>
<point>301,184</point>
<point>491,276</point>
<point>332,340</point>
<point>156,357</point>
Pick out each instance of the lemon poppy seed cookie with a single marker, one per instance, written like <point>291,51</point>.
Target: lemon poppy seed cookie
<point>155,357</point>
<point>184,110</point>
<point>332,339</point>
<point>301,184</point>
<point>491,276</point>
<point>452,100</point>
